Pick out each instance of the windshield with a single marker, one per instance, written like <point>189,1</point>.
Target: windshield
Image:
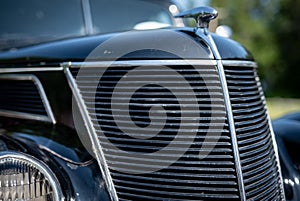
<point>35,21</point>
<point>122,15</point>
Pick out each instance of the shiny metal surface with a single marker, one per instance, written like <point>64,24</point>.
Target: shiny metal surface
<point>22,115</point>
<point>29,69</point>
<point>179,181</point>
<point>134,186</point>
<point>239,63</point>
<point>96,147</point>
<point>246,189</point>
<point>128,63</point>
<point>202,15</point>
<point>27,115</point>
<point>16,158</point>
<point>259,162</point>
<point>276,150</point>
<point>229,116</point>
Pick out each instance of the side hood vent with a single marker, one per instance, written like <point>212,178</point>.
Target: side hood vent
<point>22,96</point>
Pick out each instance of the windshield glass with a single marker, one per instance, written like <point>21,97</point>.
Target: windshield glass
<point>34,21</point>
<point>30,22</point>
<point>122,15</point>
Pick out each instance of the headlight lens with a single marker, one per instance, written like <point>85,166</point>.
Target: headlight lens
<point>23,177</point>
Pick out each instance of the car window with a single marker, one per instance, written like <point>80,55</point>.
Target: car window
<point>116,15</point>
<point>32,21</point>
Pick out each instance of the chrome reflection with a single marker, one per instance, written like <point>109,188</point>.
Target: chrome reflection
<point>23,177</point>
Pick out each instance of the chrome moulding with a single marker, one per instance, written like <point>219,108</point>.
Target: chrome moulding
<point>90,130</point>
<point>229,112</point>
<point>25,98</point>
<point>243,92</point>
<point>232,130</point>
<point>23,177</point>
<point>228,172</point>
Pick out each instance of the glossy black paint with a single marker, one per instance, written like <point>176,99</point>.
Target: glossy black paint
<point>59,145</point>
<point>231,50</point>
<point>58,94</point>
<point>287,132</point>
<point>60,148</point>
<point>228,48</point>
<point>77,49</point>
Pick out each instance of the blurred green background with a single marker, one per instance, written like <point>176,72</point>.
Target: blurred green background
<point>270,30</point>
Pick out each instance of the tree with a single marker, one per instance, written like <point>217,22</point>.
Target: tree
<point>287,34</point>
<point>269,29</point>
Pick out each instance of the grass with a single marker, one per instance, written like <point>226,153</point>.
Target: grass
<point>281,106</point>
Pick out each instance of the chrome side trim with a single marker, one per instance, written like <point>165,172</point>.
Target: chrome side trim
<point>29,69</point>
<point>239,63</point>
<point>96,146</point>
<point>38,84</point>
<point>44,98</point>
<point>23,115</point>
<point>276,152</point>
<point>227,101</point>
<point>54,183</point>
<point>129,63</point>
<point>86,9</point>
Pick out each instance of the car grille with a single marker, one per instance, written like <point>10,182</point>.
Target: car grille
<point>21,97</point>
<point>194,174</point>
<point>259,167</point>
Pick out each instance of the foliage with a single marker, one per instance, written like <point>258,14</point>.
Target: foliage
<point>269,29</point>
<point>278,107</point>
<point>287,31</point>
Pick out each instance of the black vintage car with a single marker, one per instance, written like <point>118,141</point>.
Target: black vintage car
<point>164,114</point>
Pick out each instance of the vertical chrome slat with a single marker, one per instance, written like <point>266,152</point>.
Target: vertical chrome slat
<point>221,72</point>
<point>276,153</point>
<point>97,149</point>
<point>277,157</point>
<point>232,130</point>
<point>44,98</point>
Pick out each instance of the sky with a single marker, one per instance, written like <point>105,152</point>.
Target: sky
<point>186,4</point>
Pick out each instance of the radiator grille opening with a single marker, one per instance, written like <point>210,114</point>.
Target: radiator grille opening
<point>181,172</point>
<point>164,101</point>
<point>259,166</point>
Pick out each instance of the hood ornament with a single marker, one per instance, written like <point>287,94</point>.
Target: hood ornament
<point>203,15</point>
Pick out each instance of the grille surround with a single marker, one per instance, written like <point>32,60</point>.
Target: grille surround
<point>139,174</point>
<point>111,175</point>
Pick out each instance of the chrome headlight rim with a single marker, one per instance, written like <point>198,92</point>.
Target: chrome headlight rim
<point>10,156</point>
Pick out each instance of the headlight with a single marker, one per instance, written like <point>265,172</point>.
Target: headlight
<point>23,177</point>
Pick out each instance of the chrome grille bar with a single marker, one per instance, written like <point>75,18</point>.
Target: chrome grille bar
<point>241,166</point>
<point>187,178</point>
<point>258,158</point>
<point>229,111</point>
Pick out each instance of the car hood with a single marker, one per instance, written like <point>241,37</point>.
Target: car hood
<point>79,49</point>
